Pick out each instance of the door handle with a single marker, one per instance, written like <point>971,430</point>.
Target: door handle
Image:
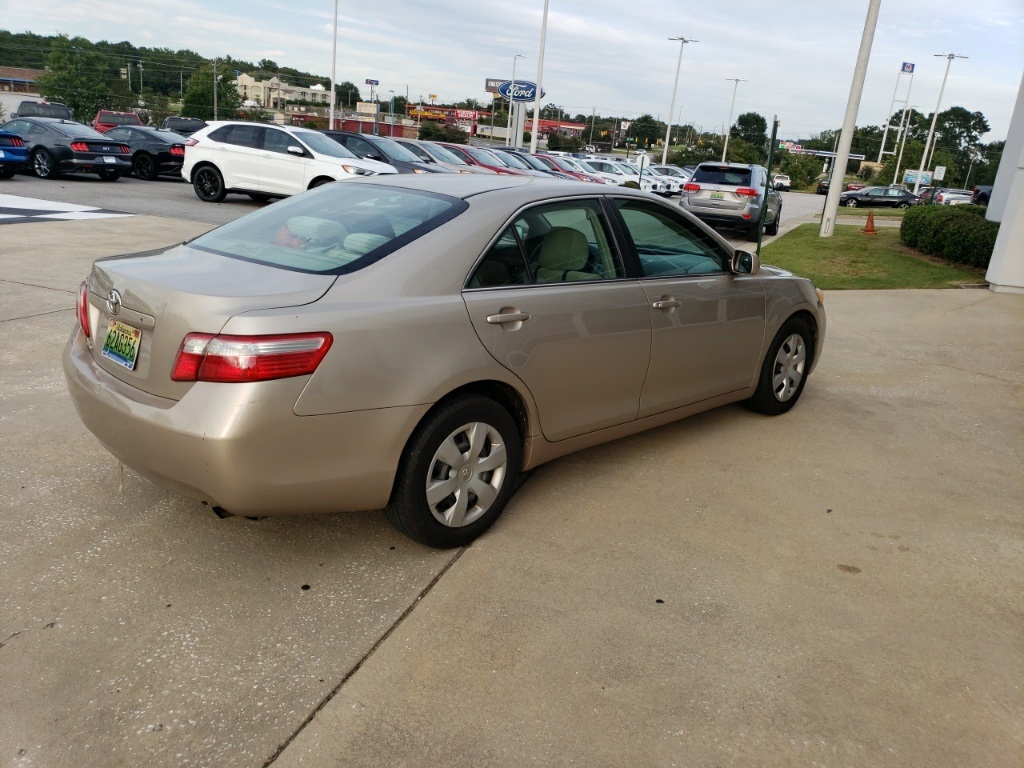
<point>665,303</point>
<point>510,317</point>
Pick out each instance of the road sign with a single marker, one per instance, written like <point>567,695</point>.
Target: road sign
<point>372,82</point>
<point>940,172</point>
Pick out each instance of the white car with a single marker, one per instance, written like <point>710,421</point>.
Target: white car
<point>265,161</point>
<point>674,171</point>
<point>673,185</point>
<point>649,182</point>
<point>604,169</point>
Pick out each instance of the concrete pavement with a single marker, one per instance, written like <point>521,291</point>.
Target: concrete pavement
<point>838,586</point>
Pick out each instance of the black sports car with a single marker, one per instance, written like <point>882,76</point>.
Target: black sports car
<point>155,151</point>
<point>63,146</point>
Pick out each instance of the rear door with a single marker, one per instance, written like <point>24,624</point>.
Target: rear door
<point>707,323</point>
<point>550,302</point>
<point>237,155</point>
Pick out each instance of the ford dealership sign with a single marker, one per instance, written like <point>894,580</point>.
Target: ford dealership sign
<point>524,91</point>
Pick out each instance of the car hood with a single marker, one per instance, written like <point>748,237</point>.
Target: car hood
<point>167,294</point>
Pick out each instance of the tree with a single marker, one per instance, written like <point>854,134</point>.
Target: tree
<point>647,130</point>
<point>431,131</point>
<point>751,128</point>
<point>563,143</point>
<point>346,94</point>
<point>75,75</point>
<point>198,101</point>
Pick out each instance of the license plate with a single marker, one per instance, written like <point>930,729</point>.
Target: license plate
<point>718,196</point>
<point>122,344</point>
<point>109,160</point>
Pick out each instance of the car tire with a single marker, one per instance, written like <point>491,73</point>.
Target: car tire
<point>208,184</point>
<point>6,173</point>
<point>851,203</point>
<point>320,182</point>
<point>145,167</point>
<point>469,446</point>
<point>903,205</point>
<point>773,228</point>
<point>43,164</point>
<point>784,371</point>
<point>109,175</point>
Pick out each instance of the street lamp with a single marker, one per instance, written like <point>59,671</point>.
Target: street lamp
<point>511,102</point>
<point>675,86</point>
<point>334,62</point>
<point>931,131</point>
<point>735,84</point>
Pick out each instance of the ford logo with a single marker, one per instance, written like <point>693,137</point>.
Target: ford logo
<point>524,91</point>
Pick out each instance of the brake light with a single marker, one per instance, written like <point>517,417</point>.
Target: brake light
<point>17,142</point>
<point>79,146</point>
<point>125,149</point>
<point>178,150</point>
<point>191,142</point>
<point>83,308</point>
<point>746,192</point>
<point>692,187</point>
<point>234,359</point>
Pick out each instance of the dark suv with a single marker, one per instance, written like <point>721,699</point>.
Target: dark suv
<point>730,194</point>
<point>183,126</point>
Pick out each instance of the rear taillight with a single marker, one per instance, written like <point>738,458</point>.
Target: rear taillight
<point>204,357</point>
<point>17,142</point>
<point>178,150</point>
<point>79,146</point>
<point>746,192</point>
<point>83,308</point>
<point>692,187</point>
<point>191,142</point>
<point>125,149</point>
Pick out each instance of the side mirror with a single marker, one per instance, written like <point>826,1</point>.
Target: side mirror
<point>745,263</point>
<point>296,150</point>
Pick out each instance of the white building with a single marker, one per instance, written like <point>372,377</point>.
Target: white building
<point>275,93</point>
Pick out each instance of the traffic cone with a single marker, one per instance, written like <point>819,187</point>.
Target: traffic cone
<point>869,229</point>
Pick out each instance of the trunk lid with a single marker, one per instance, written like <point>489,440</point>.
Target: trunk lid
<point>163,295</point>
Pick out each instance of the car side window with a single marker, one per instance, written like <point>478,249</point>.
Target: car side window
<point>19,127</point>
<point>239,135</point>
<point>552,243</point>
<point>119,134</point>
<point>278,141</point>
<point>666,243</point>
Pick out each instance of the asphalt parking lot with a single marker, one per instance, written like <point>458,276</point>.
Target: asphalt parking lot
<point>838,586</point>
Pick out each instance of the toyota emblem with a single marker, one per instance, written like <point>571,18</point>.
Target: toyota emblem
<point>113,302</point>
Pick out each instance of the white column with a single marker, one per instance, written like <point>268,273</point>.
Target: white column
<point>1006,269</point>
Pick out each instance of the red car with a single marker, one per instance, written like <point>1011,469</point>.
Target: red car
<point>481,157</point>
<point>106,119</point>
<point>568,167</point>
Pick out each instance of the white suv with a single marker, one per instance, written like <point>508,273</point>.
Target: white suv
<point>265,161</point>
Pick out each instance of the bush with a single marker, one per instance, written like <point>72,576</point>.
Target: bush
<point>958,233</point>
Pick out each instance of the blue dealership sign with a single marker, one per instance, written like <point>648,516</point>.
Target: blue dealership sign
<point>524,90</point>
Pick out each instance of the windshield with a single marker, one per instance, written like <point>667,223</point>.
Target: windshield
<point>394,150</point>
<point>442,153</point>
<point>514,160</point>
<point>335,229</point>
<point>77,130</point>
<point>485,157</point>
<point>534,163</point>
<point>586,166</point>
<point>323,145</point>
<point>629,170</point>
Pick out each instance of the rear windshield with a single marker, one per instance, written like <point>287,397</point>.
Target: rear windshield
<point>722,174</point>
<point>334,229</point>
<point>109,118</point>
<point>77,130</point>
<point>44,110</point>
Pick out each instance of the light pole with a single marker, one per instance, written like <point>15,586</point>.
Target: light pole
<point>675,86</point>
<point>392,109</point>
<point>334,66</point>
<point>140,77</point>
<point>215,89</point>
<point>540,78</point>
<point>935,115</point>
<point>735,84</point>
<point>511,102</point>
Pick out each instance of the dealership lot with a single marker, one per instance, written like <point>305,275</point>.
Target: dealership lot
<point>841,585</point>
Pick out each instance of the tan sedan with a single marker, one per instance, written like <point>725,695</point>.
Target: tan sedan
<point>416,342</point>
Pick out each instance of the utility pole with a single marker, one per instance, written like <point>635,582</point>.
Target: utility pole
<point>675,86</point>
<point>935,115</point>
<point>828,216</point>
<point>334,65</point>
<point>735,84</point>
<point>140,77</point>
<point>593,112</point>
<point>534,133</point>
<point>215,84</point>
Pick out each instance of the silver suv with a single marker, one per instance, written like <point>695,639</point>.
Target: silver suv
<point>731,194</point>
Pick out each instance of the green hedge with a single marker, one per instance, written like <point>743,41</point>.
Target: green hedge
<point>957,233</point>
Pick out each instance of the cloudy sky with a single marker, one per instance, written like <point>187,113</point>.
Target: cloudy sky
<point>796,56</point>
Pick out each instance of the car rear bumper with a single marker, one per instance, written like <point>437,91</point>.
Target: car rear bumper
<point>90,165</point>
<point>240,447</point>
